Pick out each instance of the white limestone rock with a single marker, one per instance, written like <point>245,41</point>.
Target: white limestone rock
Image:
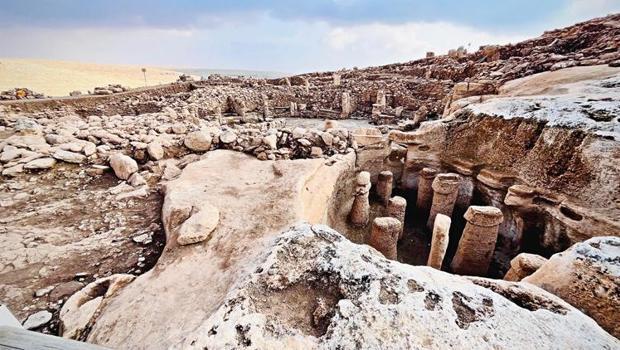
<point>123,165</point>
<point>69,157</point>
<point>316,289</point>
<point>41,163</point>
<point>587,275</point>
<point>80,309</point>
<point>198,141</point>
<point>38,319</point>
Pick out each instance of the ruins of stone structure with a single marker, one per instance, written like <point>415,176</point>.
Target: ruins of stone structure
<point>169,217</point>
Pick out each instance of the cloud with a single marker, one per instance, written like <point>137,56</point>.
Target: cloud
<point>379,43</point>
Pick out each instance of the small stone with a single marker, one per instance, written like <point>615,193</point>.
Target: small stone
<point>123,165</point>
<point>198,141</point>
<point>144,238</point>
<point>38,319</point>
<point>41,163</point>
<point>199,226</point>
<point>136,180</point>
<point>316,152</point>
<point>228,136</point>
<point>68,156</point>
<point>179,128</point>
<point>43,291</point>
<point>271,141</point>
<point>155,150</point>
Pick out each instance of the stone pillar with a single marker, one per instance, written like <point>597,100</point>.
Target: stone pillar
<point>396,208</point>
<point>425,192</point>
<point>439,243</point>
<point>384,186</point>
<point>293,109</point>
<point>445,190</point>
<point>266,111</point>
<point>384,236</point>
<point>346,105</point>
<point>477,243</point>
<point>523,265</point>
<point>359,214</point>
<point>336,79</point>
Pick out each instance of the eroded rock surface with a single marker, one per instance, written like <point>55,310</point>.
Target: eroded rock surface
<point>316,289</point>
<point>587,275</point>
<point>256,201</point>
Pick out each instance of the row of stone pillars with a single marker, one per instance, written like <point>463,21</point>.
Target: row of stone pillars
<point>437,195</point>
<point>477,243</point>
<point>387,230</point>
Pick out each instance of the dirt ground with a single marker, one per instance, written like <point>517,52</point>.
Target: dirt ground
<point>41,265</point>
<point>58,78</point>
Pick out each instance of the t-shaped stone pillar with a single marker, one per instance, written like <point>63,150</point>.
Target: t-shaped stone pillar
<point>359,214</point>
<point>384,186</point>
<point>445,190</point>
<point>384,236</point>
<point>439,243</point>
<point>396,209</point>
<point>477,243</point>
<point>425,192</point>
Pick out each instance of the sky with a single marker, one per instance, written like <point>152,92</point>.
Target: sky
<point>291,36</point>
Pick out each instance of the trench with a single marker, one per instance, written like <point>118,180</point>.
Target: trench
<point>523,230</point>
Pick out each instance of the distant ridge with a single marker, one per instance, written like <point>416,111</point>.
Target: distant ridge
<point>231,72</point>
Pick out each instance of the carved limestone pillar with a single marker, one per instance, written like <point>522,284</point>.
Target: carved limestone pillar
<point>384,236</point>
<point>477,243</point>
<point>439,243</point>
<point>384,186</point>
<point>359,214</point>
<point>445,190</point>
<point>425,192</point>
<point>396,209</point>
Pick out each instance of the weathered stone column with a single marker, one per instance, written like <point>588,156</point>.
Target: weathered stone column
<point>477,243</point>
<point>384,236</point>
<point>524,265</point>
<point>384,186</point>
<point>439,243</point>
<point>359,214</point>
<point>396,209</point>
<point>425,192</point>
<point>445,190</point>
<point>346,105</point>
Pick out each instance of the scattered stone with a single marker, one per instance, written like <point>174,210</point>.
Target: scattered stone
<point>41,163</point>
<point>38,319</point>
<point>123,165</point>
<point>69,157</point>
<point>199,141</point>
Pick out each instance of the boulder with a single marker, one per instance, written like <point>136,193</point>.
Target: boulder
<point>155,150</point>
<point>123,165</point>
<point>315,289</point>
<point>38,319</point>
<point>68,156</point>
<point>199,225</point>
<point>587,275</point>
<point>41,163</point>
<point>198,141</point>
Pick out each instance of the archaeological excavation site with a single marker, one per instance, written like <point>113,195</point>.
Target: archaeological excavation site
<point>468,200</point>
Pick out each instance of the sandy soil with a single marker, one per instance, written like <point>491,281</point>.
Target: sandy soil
<point>58,78</point>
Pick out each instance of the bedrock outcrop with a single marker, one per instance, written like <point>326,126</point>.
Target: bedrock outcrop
<point>316,289</point>
<point>256,200</point>
<point>587,275</point>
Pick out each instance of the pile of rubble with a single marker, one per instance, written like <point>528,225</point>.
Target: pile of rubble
<point>110,89</point>
<point>20,94</point>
